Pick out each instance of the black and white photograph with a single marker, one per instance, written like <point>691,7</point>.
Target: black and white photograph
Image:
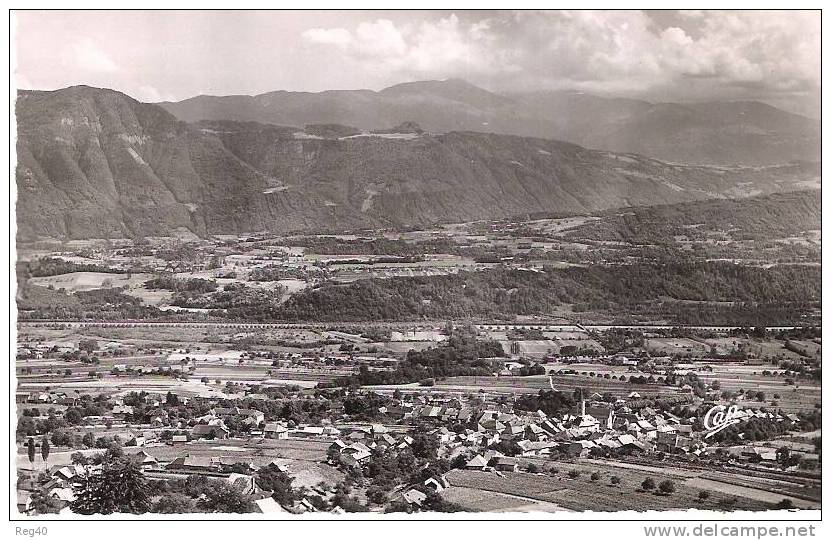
<point>415,264</point>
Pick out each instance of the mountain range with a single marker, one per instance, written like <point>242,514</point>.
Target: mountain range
<point>715,133</point>
<point>97,163</point>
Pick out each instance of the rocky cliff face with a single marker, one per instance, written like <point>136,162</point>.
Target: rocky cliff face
<point>96,163</point>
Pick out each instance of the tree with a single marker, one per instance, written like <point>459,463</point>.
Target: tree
<point>376,494</point>
<point>648,484</point>
<point>118,487</point>
<point>88,440</point>
<point>784,504</point>
<point>44,450</point>
<point>88,345</point>
<point>666,487</point>
<point>783,456</point>
<point>278,483</point>
<point>398,505</point>
<point>424,445</point>
<point>31,450</point>
<point>435,503</point>
<point>73,416</point>
<point>225,499</point>
<point>173,503</point>
<point>42,503</point>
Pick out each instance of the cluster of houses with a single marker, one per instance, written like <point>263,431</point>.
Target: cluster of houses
<point>478,433</point>
<point>37,350</point>
<point>62,480</point>
<point>597,428</point>
<point>356,448</point>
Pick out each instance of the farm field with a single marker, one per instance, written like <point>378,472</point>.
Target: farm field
<point>765,487</point>
<point>87,281</point>
<point>258,451</point>
<point>582,494</point>
<point>482,500</point>
<point>535,383</point>
<point>671,346</point>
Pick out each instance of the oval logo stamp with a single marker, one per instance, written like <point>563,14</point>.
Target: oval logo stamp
<point>720,417</point>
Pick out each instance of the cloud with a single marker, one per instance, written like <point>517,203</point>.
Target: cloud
<point>89,57</point>
<point>439,48</point>
<point>338,37</point>
<point>150,94</point>
<point>698,53</point>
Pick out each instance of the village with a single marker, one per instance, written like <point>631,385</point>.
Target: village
<point>292,432</point>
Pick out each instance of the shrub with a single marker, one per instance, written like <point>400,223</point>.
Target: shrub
<point>784,504</point>
<point>595,476</point>
<point>703,495</point>
<point>648,484</point>
<point>532,468</point>
<point>574,474</point>
<point>614,480</point>
<point>666,487</point>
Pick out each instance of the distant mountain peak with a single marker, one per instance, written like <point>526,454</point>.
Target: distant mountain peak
<point>715,133</point>
<point>454,89</point>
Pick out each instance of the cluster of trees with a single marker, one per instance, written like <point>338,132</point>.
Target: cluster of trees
<point>615,340</point>
<point>41,303</point>
<point>238,301</point>
<point>171,283</point>
<point>59,428</point>
<point>178,252</point>
<point>462,354</point>
<point>535,369</point>
<point>364,405</point>
<point>551,402</point>
<point>330,245</point>
<point>118,487</point>
<point>53,266</point>
<point>757,218</point>
<point>273,273</point>
<point>755,429</point>
<point>666,487</point>
<point>388,470</point>
<point>635,288</point>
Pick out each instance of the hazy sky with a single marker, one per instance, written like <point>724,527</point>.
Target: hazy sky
<point>666,56</point>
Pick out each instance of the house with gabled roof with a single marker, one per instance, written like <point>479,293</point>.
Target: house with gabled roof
<point>506,464</point>
<point>355,459</point>
<point>193,464</point>
<point>269,506</point>
<point>436,484</point>
<point>579,448</point>
<point>476,463</point>
<point>208,431</point>
<point>414,496</point>
<point>275,430</point>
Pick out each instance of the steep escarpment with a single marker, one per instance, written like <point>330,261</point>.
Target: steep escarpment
<point>96,163</point>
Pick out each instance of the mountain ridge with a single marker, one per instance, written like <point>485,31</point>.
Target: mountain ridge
<point>97,163</point>
<point>714,132</point>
